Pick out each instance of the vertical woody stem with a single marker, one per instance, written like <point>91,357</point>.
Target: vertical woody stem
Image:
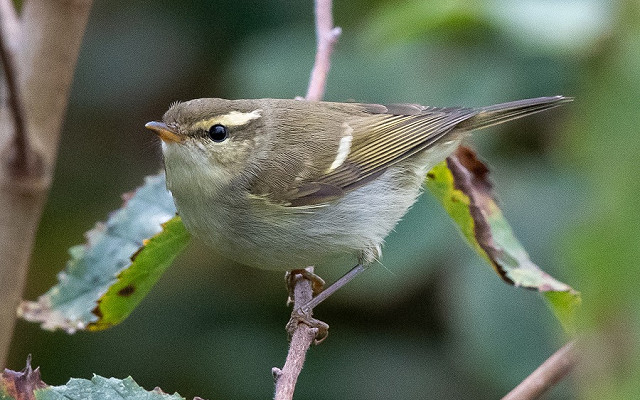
<point>301,340</point>
<point>303,336</point>
<point>327,36</point>
<point>40,49</point>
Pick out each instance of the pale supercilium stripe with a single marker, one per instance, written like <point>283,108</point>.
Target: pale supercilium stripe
<point>234,118</point>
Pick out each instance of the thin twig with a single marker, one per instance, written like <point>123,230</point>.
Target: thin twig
<point>547,375</point>
<point>304,335</point>
<point>327,36</point>
<point>301,340</point>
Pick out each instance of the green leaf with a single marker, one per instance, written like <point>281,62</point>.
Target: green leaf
<point>135,282</point>
<point>565,307</point>
<point>460,183</point>
<point>27,385</point>
<point>122,258</point>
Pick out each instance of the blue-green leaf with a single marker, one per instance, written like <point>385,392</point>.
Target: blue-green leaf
<point>97,266</point>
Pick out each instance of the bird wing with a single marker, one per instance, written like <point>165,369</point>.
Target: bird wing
<point>386,139</point>
<point>352,151</point>
<point>381,136</point>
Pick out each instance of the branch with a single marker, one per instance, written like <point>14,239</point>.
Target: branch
<point>304,335</point>
<point>327,36</point>
<point>42,48</point>
<point>301,340</point>
<point>9,20</point>
<point>18,162</point>
<point>547,375</point>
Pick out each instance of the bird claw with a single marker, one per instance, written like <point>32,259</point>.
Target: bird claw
<point>317,283</point>
<point>302,315</point>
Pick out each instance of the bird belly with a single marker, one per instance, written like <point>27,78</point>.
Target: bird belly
<point>259,233</point>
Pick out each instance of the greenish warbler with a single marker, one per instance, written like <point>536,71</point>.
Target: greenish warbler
<point>284,184</point>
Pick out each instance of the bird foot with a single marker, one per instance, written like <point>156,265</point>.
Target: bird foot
<point>302,315</point>
<point>317,283</point>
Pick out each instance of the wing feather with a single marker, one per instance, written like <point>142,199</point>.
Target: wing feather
<point>390,140</point>
<point>383,136</point>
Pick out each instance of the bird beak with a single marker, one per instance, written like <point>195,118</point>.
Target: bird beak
<point>163,131</point>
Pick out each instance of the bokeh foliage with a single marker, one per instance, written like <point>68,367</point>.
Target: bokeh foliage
<point>433,321</point>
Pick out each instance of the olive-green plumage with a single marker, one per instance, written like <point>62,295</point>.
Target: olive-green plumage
<point>283,184</point>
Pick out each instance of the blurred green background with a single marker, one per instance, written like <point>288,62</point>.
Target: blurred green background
<point>435,321</point>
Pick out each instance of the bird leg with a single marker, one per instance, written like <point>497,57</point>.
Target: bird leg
<point>303,314</point>
<point>346,278</point>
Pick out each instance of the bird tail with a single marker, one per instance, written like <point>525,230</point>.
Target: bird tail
<point>496,114</point>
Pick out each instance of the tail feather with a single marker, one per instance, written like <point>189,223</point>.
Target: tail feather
<point>499,113</point>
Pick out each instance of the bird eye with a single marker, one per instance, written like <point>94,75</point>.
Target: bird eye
<point>218,133</point>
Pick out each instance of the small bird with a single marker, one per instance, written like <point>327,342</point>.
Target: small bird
<point>285,184</point>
